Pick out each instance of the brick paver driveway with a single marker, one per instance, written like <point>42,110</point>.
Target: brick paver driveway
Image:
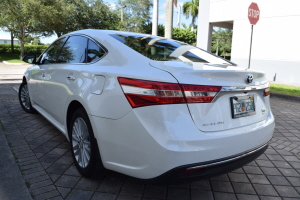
<point>44,159</point>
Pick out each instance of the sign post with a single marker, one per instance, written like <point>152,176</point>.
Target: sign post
<point>253,16</point>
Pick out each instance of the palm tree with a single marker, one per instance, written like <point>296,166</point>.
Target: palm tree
<point>169,18</point>
<point>191,8</point>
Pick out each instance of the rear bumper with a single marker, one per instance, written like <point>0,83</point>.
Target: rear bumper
<point>155,141</point>
<point>210,169</point>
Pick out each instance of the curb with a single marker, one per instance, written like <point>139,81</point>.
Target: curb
<point>285,96</point>
<point>7,63</point>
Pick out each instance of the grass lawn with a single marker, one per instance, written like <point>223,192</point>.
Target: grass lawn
<point>11,58</point>
<point>284,89</point>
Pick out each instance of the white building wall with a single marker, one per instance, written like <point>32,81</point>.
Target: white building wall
<point>276,40</point>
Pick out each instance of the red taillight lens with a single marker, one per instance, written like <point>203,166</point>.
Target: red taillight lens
<point>200,93</point>
<point>267,89</point>
<point>144,93</point>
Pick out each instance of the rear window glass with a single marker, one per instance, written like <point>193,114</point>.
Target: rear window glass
<point>163,49</point>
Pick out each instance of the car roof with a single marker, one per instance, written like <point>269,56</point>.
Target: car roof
<point>109,32</point>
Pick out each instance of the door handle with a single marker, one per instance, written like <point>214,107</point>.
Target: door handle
<point>71,78</point>
<point>43,75</point>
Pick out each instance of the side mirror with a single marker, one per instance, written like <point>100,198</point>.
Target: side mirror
<point>31,59</point>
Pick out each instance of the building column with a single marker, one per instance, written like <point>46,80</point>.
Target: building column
<point>155,17</point>
<point>210,31</point>
<point>169,19</point>
<point>203,25</point>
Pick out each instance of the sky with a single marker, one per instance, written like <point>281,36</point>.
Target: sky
<point>161,18</point>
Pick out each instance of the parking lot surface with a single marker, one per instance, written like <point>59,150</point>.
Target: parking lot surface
<point>41,166</point>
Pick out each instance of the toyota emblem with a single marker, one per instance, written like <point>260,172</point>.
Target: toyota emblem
<point>249,78</point>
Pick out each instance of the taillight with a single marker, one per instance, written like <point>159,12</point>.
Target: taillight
<point>144,93</point>
<point>200,93</point>
<point>267,89</point>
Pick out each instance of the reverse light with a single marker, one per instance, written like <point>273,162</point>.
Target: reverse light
<point>144,93</point>
<point>200,93</point>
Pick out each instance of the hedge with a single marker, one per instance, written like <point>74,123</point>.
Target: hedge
<point>29,49</point>
<point>184,35</point>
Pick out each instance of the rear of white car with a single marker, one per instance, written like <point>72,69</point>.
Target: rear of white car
<point>162,109</point>
<point>212,119</point>
<point>176,130</point>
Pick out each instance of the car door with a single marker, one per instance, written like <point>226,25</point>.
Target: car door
<point>61,78</point>
<point>37,76</point>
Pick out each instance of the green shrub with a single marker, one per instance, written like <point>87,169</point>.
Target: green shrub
<point>29,49</point>
<point>184,35</point>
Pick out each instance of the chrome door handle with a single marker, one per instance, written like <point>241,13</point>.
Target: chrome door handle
<point>71,78</point>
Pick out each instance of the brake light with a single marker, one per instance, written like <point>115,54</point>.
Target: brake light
<point>267,89</point>
<point>144,93</point>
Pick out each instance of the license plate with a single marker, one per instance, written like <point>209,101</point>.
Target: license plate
<point>242,106</point>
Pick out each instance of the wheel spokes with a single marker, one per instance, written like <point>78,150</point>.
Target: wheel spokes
<point>25,99</point>
<point>81,142</point>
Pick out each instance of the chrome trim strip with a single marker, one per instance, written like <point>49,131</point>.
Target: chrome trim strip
<point>238,89</point>
<point>228,160</point>
<point>242,88</point>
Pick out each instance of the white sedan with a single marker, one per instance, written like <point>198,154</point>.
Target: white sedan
<point>147,106</point>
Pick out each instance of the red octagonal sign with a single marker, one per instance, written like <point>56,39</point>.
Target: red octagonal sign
<point>253,13</point>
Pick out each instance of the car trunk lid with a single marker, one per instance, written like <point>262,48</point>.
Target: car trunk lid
<point>237,104</point>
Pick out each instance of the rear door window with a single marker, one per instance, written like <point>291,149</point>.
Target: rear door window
<point>94,52</point>
<point>74,51</point>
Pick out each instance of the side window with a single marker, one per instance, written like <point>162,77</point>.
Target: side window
<point>74,51</point>
<point>94,52</point>
<point>52,52</point>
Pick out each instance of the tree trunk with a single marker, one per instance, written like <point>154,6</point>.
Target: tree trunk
<point>155,17</point>
<point>193,21</point>
<point>22,38</point>
<point>217,51</point>
<point>169,19</point>
<point>12,42</point>
<point>22,50</point>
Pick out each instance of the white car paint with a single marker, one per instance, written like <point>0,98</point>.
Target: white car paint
<point>146,142</point>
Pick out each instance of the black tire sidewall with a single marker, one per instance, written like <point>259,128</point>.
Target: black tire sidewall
<point>31,110</point>
<point>91,168</point>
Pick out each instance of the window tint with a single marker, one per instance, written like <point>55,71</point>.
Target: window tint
<point>163,49</point>
<point>52,52</point>
<point>193,57</point>
<point>94,52</point>
<point>74,51</point>
<point>153,47</point>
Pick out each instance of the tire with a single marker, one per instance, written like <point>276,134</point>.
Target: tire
<point>84,146</point>
<point>24,98</point>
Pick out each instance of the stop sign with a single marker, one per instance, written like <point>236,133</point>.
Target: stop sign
<point>253,13</point>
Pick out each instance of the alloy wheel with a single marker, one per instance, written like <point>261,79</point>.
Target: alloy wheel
<point>25,99</point>
<point>81,142</point>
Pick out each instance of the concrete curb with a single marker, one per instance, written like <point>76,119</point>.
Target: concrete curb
<point>285,96</point>
<point>7,63</point>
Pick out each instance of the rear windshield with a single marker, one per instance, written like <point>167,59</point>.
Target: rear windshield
<point>163,49</point>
